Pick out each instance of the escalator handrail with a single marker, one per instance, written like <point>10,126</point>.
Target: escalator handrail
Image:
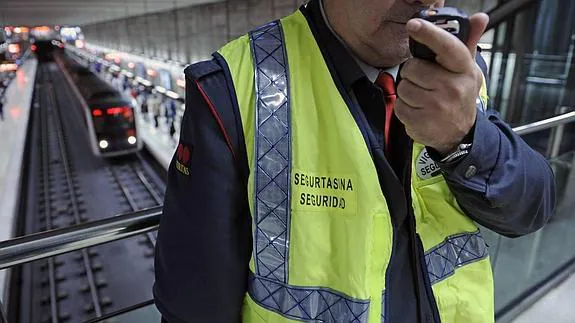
<point>546,124</point>
<point>45,244</point>
<point>121,311</point>
<point>502,12</point>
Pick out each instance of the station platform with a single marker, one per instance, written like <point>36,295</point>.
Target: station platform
<point>157,140</point>
<point>13,130</point>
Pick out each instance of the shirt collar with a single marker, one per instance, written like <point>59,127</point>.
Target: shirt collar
<point>370,72</point>
<point>393,71</point>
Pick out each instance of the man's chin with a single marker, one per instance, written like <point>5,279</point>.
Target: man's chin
<point>387,50</point>
<point>395,56</point>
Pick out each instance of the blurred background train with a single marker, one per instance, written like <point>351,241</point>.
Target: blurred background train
<point>101,77</point>
<point>110,115</point>
<point>16,40</point>
<point>164,77</point>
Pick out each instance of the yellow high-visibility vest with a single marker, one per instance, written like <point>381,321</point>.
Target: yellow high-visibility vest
<point>321,226</point>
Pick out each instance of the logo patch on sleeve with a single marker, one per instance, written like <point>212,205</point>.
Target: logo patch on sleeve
<point>426,167</point>
<point>183,159</point>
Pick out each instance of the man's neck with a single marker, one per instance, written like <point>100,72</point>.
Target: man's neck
<point>370,71</point>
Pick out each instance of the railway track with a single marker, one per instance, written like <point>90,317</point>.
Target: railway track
<point>138,191</point>
<point>71,186</point>
<point>61,199</point>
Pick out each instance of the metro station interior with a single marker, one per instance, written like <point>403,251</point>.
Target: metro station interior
<point>93,94</point>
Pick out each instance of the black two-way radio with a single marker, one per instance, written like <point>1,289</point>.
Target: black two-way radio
<point>452,20</point>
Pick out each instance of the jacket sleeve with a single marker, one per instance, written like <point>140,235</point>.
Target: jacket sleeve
<point>503,184</point>
<point>203,246</point>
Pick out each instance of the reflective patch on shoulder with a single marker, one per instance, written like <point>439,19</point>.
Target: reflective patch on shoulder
<point>426,167</point>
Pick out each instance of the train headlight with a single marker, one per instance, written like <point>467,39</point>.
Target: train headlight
<point>104,144</point>
<point>131,140</point>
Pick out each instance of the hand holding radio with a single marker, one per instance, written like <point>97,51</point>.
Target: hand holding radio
<point>452,20</point>
<point>440,84</point>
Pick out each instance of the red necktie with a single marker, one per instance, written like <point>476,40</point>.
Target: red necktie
<point>387,83</point>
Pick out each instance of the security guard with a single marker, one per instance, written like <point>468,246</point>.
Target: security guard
<point>308,187</point>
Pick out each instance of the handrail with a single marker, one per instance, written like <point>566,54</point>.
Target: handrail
<point>502,12</point>
<point>41,245</point>
<point>546,123</point>
<point>45,244</point>
<point>121,311</point>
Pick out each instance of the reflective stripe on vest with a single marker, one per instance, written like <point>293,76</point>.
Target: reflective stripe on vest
<point>305,303</point>
<point>269,287</point>
<point>454,252</point>
<point>445,258</point>
<point>272,207</point>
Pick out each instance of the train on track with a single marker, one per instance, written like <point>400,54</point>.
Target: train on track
<point>162,75</point>
<point>110,116</point>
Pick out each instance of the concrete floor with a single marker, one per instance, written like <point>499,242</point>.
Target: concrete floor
<point>556,306</point>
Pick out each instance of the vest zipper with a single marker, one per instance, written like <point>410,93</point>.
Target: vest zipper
<point>427,283</point>
<point>387,311</point>
<point>418,253</point>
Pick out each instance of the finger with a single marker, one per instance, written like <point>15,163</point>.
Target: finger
<point>451,53</point>
<point>405,113</point>
<point>478,22</point>
<point>413,95</point>
<point>425,74</point>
